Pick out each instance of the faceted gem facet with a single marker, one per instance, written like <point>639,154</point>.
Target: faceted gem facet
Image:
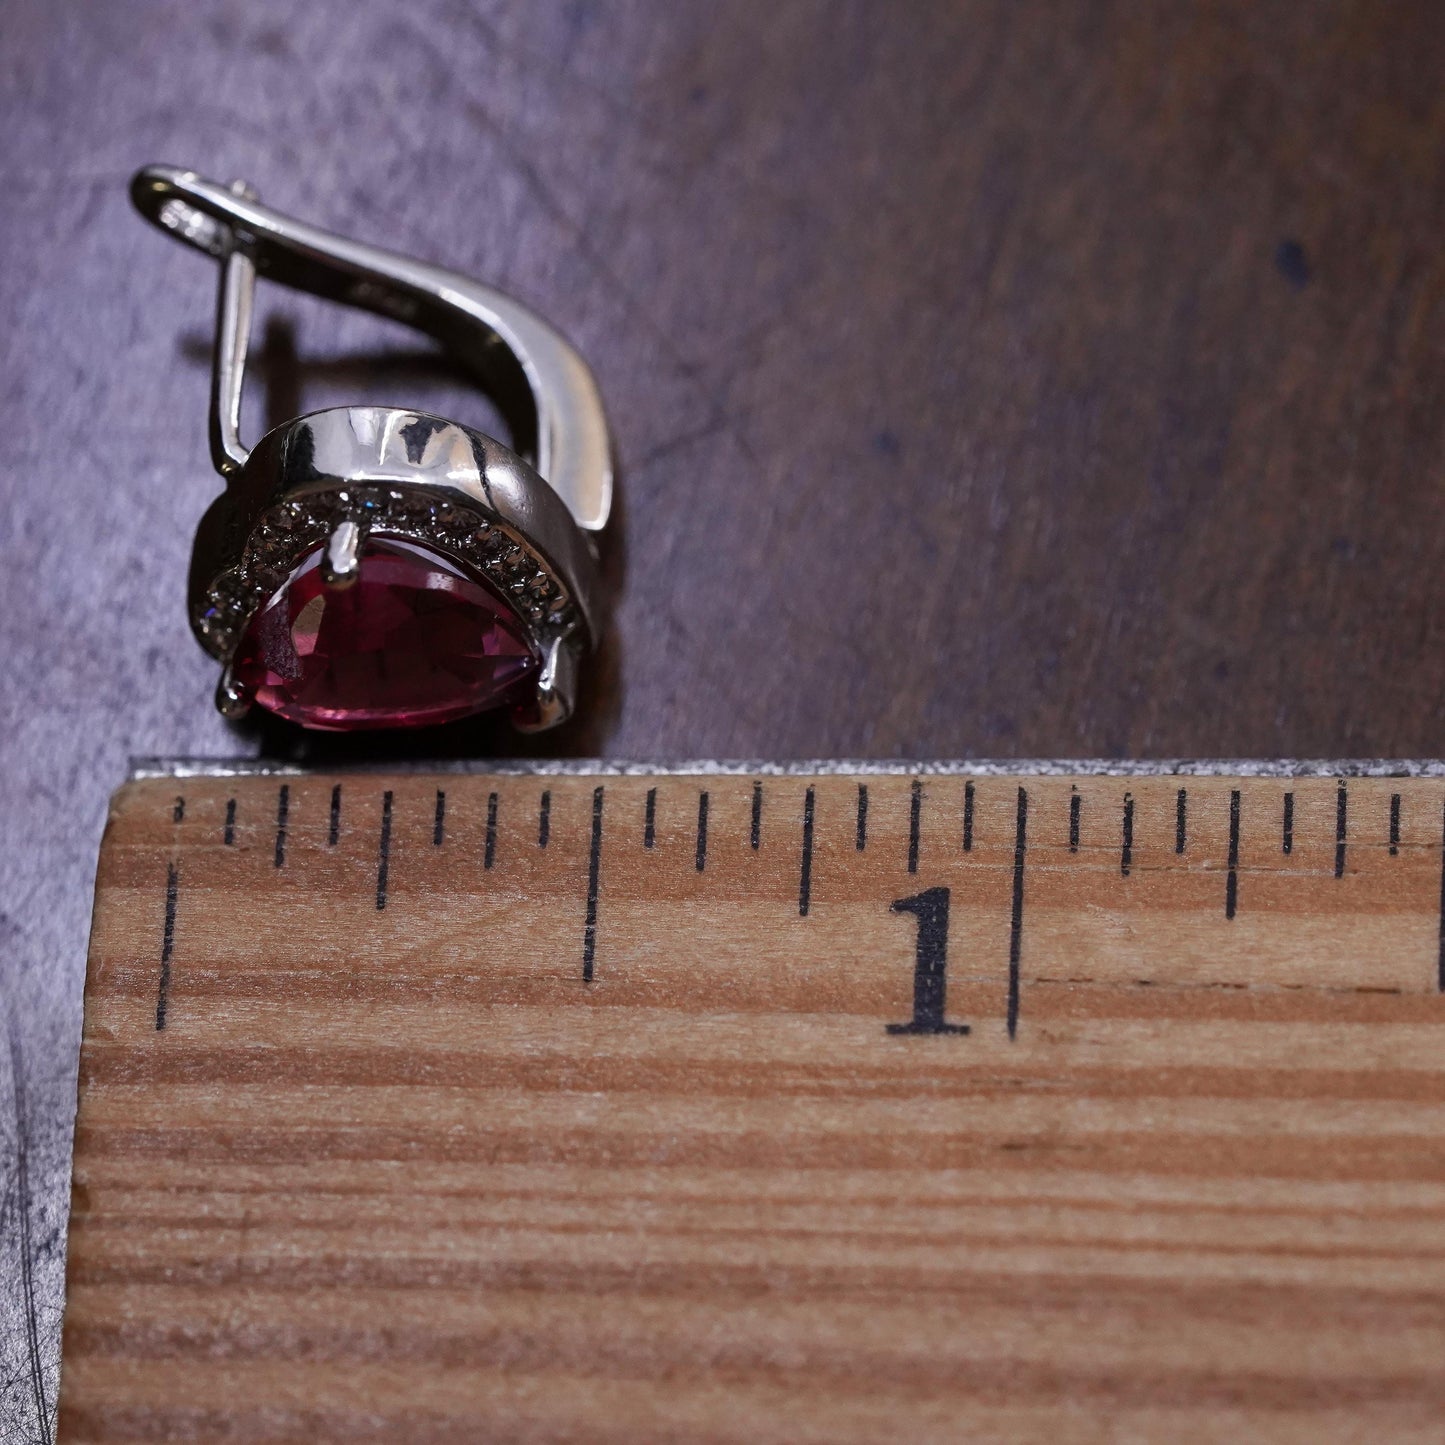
<point>412,641</point>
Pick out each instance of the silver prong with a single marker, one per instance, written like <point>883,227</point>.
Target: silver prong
<point>234,304</point>
<point>232,700</point>
<point>556,689</point>
<point>341,561</point>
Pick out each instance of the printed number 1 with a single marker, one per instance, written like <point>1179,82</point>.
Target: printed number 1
<point>930,968</point>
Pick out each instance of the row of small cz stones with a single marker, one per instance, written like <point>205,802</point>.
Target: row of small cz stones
<point>286,533</point>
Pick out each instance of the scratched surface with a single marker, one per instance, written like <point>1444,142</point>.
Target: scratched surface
<point>1013,379</point>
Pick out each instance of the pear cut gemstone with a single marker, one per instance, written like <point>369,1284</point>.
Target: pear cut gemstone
<point>412,641</point>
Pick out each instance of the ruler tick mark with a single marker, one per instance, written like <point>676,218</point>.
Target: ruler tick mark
<point>1016,919</point>
<point>438,832</point>
<point>968,817</point>
<point>756,837</point>
<point>1341,817</point>
<point>1126,846</point>
<point>594,873</point>
<point>1231,883</point>
<point>283,808</point>
<point>1287,837</point>
<point>168,943</point>
<point>805,877</point>
<point>383,852</point>
<point>1394,824</point>
<point>228,832</point>
<point>1076,807</point>
<point>862,816</point>
<point>334,831</point>
<point>649,820</point>
<point>1181,820</point>
<point>915,818</point>
<point>544,819</point>
<point>701,859</point>
<point>178,813</point>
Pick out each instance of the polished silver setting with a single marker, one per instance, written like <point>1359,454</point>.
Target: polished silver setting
<point>334,478</point>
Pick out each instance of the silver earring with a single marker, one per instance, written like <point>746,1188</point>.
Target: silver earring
<point>369,566</point>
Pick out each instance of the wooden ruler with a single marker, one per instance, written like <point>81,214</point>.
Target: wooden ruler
<point>795,1108</point>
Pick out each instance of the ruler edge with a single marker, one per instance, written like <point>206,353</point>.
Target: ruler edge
<point>143,768</point>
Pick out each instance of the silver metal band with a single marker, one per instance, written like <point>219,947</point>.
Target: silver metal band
<point>544,387</point>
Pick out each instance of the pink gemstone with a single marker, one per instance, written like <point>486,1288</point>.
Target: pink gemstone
<point>411,641</point>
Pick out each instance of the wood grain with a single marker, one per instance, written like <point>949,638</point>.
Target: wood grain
<point>398,1172</point>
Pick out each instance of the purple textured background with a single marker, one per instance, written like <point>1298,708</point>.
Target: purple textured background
<point>992,378</point>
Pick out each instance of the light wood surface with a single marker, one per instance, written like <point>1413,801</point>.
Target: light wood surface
<point>401,1172</point>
